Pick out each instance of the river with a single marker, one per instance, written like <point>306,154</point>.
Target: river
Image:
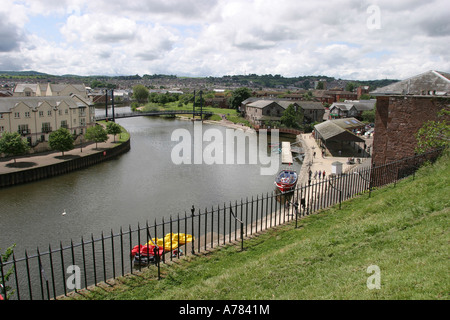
<point>143,184</point>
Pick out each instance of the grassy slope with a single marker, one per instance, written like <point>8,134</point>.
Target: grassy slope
<point>403,230</point>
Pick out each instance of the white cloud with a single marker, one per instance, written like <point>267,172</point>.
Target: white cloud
<point>223,37</point>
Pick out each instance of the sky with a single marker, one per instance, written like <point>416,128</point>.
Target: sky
<point>345,39</point>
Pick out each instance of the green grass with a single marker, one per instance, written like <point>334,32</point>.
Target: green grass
<point>120,138</point>
<point>404,230</point>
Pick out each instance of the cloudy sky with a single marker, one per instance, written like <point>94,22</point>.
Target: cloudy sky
<point>348,39</point>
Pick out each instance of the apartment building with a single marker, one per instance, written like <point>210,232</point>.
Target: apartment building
<point>36,117</point>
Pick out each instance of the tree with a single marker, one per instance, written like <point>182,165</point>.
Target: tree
<point>434,134</point>
<point>61,140</point>
<point>292,117</point>
<point>113,128</point>
<point>12,144</point>
<point>350,86</point>
<point>97,134</point>
<point>238,96</point>
<point>320,85</point>
<point>140,93</point>
<point>368,115</point>
<point>4,289</point>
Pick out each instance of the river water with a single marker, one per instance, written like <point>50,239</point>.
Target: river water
<point>143,184</point>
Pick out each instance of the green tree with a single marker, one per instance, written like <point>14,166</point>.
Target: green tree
<point>434,134</point>
<point>97,134</point>
<point>12,144</point>
<point>4,258</point>
<point>368,115</point>
<point>238,96</point>
<point>350,86</point>
<point>292,117</point>
<point>61,140</point>
<point>320,85</point>
<point>140,93</point>
<point>113,128</point>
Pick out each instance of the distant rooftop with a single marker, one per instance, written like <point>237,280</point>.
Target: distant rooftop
<point>435,83</point>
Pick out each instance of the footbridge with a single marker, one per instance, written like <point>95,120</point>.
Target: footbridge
<point>150,114</point>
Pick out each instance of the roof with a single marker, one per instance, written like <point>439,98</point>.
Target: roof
<point>435,83</point>
<point>261,103</point>
<point>342,106</point>
<point>20,87</point>
<point>311,105</point>
<point>338,129</point>
<point>348,123</point>
<point>74,101</point>
<point>360,105</point>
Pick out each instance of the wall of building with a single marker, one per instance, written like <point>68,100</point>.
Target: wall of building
<point>397,121</point>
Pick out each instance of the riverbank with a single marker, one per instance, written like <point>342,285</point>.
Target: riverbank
<point>48,164</point>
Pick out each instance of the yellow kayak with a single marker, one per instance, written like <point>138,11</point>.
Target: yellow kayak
<point>171,241</point>
<point>181,238</point>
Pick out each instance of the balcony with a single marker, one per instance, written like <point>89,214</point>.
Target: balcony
<point>24,132</point>
<point>46,129</point>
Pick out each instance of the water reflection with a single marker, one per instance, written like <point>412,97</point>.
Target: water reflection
<point>140,185</point>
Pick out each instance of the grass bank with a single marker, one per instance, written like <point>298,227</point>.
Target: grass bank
<point>120,138</point>
<point>404,230</point>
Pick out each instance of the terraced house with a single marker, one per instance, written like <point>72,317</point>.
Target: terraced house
<point>49,90</point>
<point>36,117</point>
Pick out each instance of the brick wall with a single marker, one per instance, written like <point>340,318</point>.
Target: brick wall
<point>396,123</point>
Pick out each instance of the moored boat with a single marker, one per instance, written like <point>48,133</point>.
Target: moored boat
<point>286,180</point>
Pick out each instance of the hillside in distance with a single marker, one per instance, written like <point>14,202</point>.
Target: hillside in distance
<point>250,80</point>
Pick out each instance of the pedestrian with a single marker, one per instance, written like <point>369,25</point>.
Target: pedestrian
<point>315,175</point>
<point>320,173</point>
<point>314,154</point>
<point>323,175</point>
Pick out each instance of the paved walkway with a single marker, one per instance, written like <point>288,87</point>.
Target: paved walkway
<point>319,162</point>
<point>47,158</point>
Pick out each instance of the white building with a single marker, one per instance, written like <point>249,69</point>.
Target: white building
<point>36,117</point>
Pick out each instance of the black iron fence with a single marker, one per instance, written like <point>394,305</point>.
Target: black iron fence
<point>57,270</point>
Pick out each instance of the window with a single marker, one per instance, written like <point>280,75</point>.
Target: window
<point>46,127</point>
<point>66,111</point>
<point>16,114</point>
<point>64,124</point>
<point>23,129</point>
<point>2,128</point>
<point>41,113</point>
<point>27,114</point>
<point>49,112</point>
<point>1,115</point>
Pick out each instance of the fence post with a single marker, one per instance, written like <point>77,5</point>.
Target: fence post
<point>192,224</point>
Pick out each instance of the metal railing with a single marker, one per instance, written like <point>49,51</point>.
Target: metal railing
<point>58,270</point>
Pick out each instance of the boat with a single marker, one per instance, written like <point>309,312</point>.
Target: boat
<point>145,254</point>
<point>286,180</point>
